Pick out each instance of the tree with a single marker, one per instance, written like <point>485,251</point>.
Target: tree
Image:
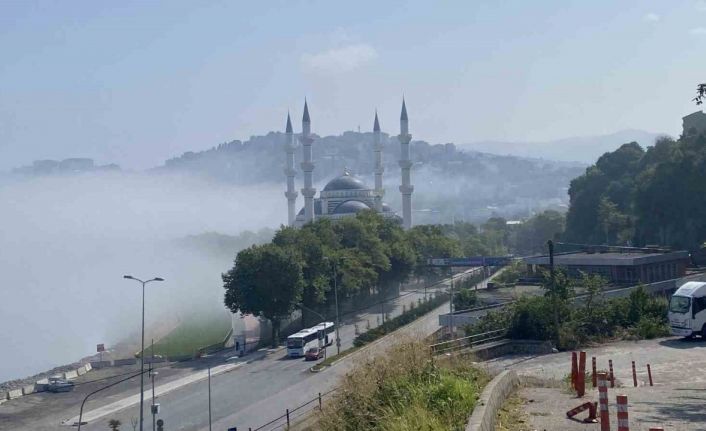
<point>265,281</point>
<point>700,94</point>
<point>114,424</point>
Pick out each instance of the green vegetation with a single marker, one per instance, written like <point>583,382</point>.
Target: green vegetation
<point>510,274</point>
<point>642,196</point>
<point>397,322</point>
<point>573,323</point>
<point>192,334</point>
<point>366,257</point>
<point>404,390</point>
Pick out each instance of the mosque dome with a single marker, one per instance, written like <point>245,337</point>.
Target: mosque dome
<point>345,182</point>
<point>351,207</point>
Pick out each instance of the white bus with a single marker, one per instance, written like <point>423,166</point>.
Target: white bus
<point>316,336</point>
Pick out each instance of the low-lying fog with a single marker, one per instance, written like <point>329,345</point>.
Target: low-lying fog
<point>67,241</point>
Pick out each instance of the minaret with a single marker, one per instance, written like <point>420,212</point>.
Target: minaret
<point>307,165</point>
<point>405,164</point>
<point>290,172</point>
<point>377,149</point>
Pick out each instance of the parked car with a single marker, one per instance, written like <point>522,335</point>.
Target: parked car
<point>59,385</point>
<point>314,353</point>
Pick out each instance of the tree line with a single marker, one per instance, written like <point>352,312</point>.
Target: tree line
<point>634,196</point>
<point>362,256</point>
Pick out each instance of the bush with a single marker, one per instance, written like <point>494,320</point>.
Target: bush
<point>404,391</point>
<point>399,321</point>
<point>465,299</point>
<point>649,327</point>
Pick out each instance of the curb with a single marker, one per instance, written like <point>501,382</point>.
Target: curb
<point>491,399</point>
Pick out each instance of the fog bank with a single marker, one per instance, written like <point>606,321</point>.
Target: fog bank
<point>67,241</point>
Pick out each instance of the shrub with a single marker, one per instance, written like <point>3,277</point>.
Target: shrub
<point>403,391</point>
<point>399,321</point>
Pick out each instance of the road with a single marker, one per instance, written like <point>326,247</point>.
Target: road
<point>247,393</point>
<point>261,390</point>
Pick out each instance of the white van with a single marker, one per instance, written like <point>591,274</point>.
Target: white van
<point>687,310</point>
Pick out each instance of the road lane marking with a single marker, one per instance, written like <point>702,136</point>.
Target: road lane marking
<point>159,390</point>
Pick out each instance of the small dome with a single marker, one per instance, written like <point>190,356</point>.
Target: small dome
<point>345,182</point>
<point>350,207</point>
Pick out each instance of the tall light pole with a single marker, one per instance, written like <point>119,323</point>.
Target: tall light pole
<point>335,293</point>
<point>142,346</point>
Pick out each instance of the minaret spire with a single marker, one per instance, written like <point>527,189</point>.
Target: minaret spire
<point>290,172</point>
<point>405,164</point>
<point>307,165</point>
<point>379,169</point>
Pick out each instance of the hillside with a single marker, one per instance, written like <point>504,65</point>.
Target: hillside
<point>450,183</point>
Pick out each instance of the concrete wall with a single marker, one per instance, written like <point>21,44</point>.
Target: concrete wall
<point>128,361</point>
<point>490,401</point>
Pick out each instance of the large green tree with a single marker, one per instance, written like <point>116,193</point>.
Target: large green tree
<point>265,281</point>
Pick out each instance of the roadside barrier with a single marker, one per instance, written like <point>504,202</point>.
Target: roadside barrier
<point>634,375</point>
<point>612,376</point>
<point>623,423</point>
<point>581,383</point>
<point>574,370</point>
<point>594,378</point>
<point>603,400</point>
<point>649,374</point>
<point>591,407</point>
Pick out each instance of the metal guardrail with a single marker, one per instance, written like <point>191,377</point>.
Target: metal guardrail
<point>466,342</point>
<point>286,419</point>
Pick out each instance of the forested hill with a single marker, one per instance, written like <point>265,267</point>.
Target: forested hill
<point>457,184</point>
<point>640,197</point>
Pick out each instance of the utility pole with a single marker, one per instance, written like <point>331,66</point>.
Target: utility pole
<point>338,318</point>
<point>552,285</point>
<point>209,398</point>
<point>154,406</point>
<point>451,306</point>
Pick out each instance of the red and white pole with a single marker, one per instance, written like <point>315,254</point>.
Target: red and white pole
<point>574,369</point>
<point>603,401</point>
<point>623,423</point>
<point>581,383</point>
<point>634,375</point>
<point>649,374</point>
<point>612,376</point>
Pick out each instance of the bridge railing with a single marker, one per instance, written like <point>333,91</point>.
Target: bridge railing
<point>467,342</point>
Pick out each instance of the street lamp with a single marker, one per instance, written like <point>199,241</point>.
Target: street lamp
<point>335,293</point>
<point>142,348</point>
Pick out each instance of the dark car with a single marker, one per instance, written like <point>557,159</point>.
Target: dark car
<point>314,353</point>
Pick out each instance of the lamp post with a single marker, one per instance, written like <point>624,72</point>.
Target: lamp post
<point>335,293</point>
<point>142,345</point>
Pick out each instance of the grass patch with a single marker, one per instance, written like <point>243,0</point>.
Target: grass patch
<point>192,334</point>
<point>512,416</point>
<point>404,390</point>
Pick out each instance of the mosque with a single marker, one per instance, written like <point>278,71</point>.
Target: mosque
<point>346,195</point>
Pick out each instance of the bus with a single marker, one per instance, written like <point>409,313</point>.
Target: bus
<point>316,336</point>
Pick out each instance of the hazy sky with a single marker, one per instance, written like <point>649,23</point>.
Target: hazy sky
<point>138,82</point>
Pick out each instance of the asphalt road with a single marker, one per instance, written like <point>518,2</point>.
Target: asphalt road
<point>264,388</point>
<point>245,396</point>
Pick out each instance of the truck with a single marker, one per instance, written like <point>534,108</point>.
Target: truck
<point>687,310</point>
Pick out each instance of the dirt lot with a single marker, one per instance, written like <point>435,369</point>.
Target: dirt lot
<point>677,401</point>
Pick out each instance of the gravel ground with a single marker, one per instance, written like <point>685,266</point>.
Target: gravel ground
<point>676,402</point>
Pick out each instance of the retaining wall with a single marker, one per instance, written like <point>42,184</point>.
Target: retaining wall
<point>492,398</point>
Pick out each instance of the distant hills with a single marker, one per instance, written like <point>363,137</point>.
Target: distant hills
<point>470,182</point>
<point>585,149</point>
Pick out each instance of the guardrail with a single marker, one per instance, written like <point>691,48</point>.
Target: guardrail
<point>469,341</point>
<point>286,419</point>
